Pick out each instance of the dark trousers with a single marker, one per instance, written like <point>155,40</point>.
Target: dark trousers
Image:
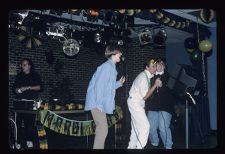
<point>27,129</point>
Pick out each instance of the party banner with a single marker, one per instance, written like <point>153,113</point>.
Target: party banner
<point>70,127</point>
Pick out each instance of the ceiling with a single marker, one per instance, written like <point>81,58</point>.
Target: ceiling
<point>174,35</point>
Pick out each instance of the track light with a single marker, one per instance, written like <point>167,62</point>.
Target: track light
<point>145,37</point>
<point>160,36</point>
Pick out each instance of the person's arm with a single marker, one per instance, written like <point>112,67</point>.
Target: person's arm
<point>25,88</point>
<point>158,83</point>
<point>35,88</point>
<point>102,78</point>
<point>120,82</point>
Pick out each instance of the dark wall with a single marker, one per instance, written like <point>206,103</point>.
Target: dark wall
<point>78,69</point>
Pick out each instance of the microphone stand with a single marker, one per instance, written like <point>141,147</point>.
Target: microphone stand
<point>186,115</point>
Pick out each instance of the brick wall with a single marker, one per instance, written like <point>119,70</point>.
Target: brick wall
<point>78,69</point>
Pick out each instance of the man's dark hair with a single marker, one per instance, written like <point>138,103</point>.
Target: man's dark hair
<point>29,63</point>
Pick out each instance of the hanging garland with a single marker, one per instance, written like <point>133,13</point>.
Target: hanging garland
<point>69,127</point>
<point>164,19</point>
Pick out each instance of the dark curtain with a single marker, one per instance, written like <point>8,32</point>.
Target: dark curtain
<point>200,125</point>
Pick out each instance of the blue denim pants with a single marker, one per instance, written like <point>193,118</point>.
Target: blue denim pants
<point>160,120</point>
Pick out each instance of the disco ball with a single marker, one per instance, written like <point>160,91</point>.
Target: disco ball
<point>71,47</point>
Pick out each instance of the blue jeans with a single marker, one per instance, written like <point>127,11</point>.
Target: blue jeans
<point>160,120</point>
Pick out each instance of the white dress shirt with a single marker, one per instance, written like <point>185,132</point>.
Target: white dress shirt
<point>140,86</point>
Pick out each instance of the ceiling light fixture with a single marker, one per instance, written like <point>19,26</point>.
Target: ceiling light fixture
<point>145,37</point>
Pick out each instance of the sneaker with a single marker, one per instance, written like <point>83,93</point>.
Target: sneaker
<point>131,147</point>
<point>30,144</point>
<point>155,144</point>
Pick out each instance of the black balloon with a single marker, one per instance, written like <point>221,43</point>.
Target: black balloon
<point>159,40</point>
<point>190,43</point>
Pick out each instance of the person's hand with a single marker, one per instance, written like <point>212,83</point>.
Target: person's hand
<point>24,88</point>
<point>158,82</point>
<point>99,109</point>
<point>122,79</point>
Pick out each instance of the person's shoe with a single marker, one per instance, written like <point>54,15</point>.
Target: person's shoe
<point>168,147</point>
<point>155,144</point>
<point>131,147</point>
<point>30,144</point>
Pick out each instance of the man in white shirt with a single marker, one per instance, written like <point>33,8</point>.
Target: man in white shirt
<point>138,93</point>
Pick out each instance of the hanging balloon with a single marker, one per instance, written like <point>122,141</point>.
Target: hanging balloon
<point>172,23</point>
<point>190,43</point>
<point>188,22</point>
<point>137,11</point>
<point>178,25</point>
<point>196,55</point>
<point>152,10</point>
<point>205,46</point>
<point>159,15</point>
<point>166,20</point>
<point>207,15</point>
<point>183,24</point>
<point>130,12</point>
<point>159,40</point>
<point>122,11</point>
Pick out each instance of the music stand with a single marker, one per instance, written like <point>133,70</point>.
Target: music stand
<point>181,84</point>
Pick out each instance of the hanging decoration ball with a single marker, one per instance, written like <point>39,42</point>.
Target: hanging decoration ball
<point>166,20</point>
<point>196,55</point>
<point>130,12</point>
<point>183,25</point>
<point>207,15</point>
<point>71,47</point>
<point>122,11</point>
<point>159,15</point>
<point>152,10</point>
<point>205,46</point>
<point>190,44</point>
<point>159,40</point>
<point>188,22</point>
<point>172,23</point>
<point>178,25</point>
<point>137,11</point>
